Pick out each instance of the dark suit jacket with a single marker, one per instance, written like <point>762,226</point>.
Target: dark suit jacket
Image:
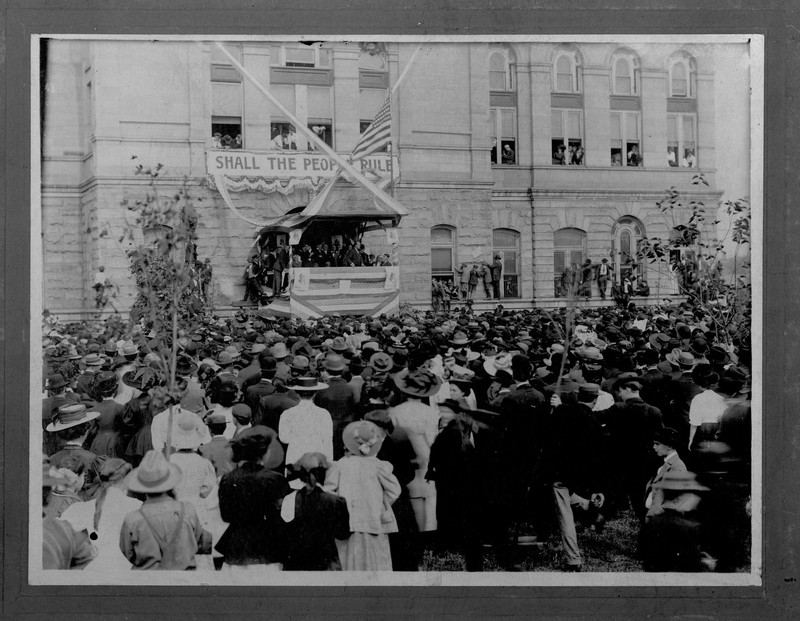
<point>272,406</point>
<point>673,464</point>
<point>250,501</point>
<point>340,401</point>
<point>254,394</point>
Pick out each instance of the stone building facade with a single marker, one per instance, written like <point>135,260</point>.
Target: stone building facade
<point>546,153</point>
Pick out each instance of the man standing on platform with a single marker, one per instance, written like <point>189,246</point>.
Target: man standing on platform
<point>497,275</point>
<point>602,278</point>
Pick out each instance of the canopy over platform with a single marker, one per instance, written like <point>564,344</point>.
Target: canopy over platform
<point>341,200</point>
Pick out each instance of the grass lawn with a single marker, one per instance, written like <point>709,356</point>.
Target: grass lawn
<point>613,550</point>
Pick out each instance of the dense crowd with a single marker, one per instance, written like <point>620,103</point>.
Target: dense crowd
<point>351,443</point>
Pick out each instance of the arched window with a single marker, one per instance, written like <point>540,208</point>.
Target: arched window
<point>500,76</point>
<point>681,77</point>
<point>565,73</point>
<point>443,258</point>
<point>628,235</point>
<point>625,73</point>
<point>569,251</point>
<point>505,242</point>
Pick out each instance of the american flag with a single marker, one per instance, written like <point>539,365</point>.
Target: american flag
<point>377,135</point>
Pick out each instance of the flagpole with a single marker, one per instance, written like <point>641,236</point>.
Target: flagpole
<point>359,178</point>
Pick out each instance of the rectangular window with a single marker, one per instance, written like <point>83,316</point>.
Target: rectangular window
<point>681,141</point>
<point>503,126</point>
<point>226,115</point>
<point>299,55</point>
<point>625,145</point>
<point>567,137</point>
<point>324,130</point>
<point>284,136</point>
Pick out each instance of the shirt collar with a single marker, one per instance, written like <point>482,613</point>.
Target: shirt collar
<point>668,457</point>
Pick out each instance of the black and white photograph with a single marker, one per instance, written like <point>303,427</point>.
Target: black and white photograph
<point>396,311</point>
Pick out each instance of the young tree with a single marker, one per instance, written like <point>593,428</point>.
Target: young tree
<point>695,255</point>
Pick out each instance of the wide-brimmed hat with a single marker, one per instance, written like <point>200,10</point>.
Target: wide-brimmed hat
<point>186,432</point>
<point>94,360</point>
<point>71,415</point>
<point>381,362</point>
<point>699,347</point>
<point>129,348</point>
<point>459,339</point>
<point>300,364</point>
<point>307,384</point>
<point>334,362</point>
<point>591,353</point>
<point>56,381</point>
<point>417,383</point>
<point>339,344</point>
<point>143,378</point>
<point>500,362</point>
<point>363,438</point>
<point>185,366</point>
<point>301,346</point>
<point>279,350</point>
<point>659,340</point>
<point>681,481</point>
<point>703,374</point>
<point>681,358</point>
<point>105,381</point>
<point>154,475</point>
<point>718,356</point>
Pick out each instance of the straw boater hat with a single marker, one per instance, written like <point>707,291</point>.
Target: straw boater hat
<point>307,384</point>
<point>71,416</point>
<point>363,438</point>
<point>154,475</point>
<point>417,383</point>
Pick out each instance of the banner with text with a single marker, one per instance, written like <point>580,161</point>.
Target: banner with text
<point>284,171</point>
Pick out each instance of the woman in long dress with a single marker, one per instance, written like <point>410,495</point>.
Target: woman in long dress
<point>418,423</point>
<point>370,488</point>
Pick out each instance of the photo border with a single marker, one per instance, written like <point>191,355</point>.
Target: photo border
<point>779,589</point>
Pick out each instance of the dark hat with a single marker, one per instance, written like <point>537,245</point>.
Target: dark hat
<point>647,357</point>
<point>106,381</point>
<point>668,437</point>
<point>56,381</point>
<point>381,418</point>
<point>242,412</point>
<point>717,355</point>
<point>417,383</point>
<point>185,366</point>
<point>268,366</point>
<point>356,364</point>
<point>704,375</point>
<point>143,378</point>
<point>625,379</point>
<point>699,347</point>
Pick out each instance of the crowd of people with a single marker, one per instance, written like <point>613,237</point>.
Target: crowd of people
<point>352,443</point>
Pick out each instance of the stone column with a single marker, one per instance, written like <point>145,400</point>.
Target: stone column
<point>255,113</point>
<point>346,115</point>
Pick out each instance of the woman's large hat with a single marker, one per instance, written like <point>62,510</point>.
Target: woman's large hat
<point>417,383</point>
<point>381,362</point>
<point>143,378</point>
<point>71,416</point>
<point>186,432</point>
<point>307,384</point>
<point>500,362</point>
<point>154,475</point>
<point>363,438</point>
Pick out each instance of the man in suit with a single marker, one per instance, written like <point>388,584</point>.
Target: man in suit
<point>338,398</point>
<point>218,450</point>
<point>631,425</point>
<point>665,445</point>
<point>572,464</point>
<point>602,278</point>
<point>280,265</point>
<point>272,406</point>
<point>264,387</point>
